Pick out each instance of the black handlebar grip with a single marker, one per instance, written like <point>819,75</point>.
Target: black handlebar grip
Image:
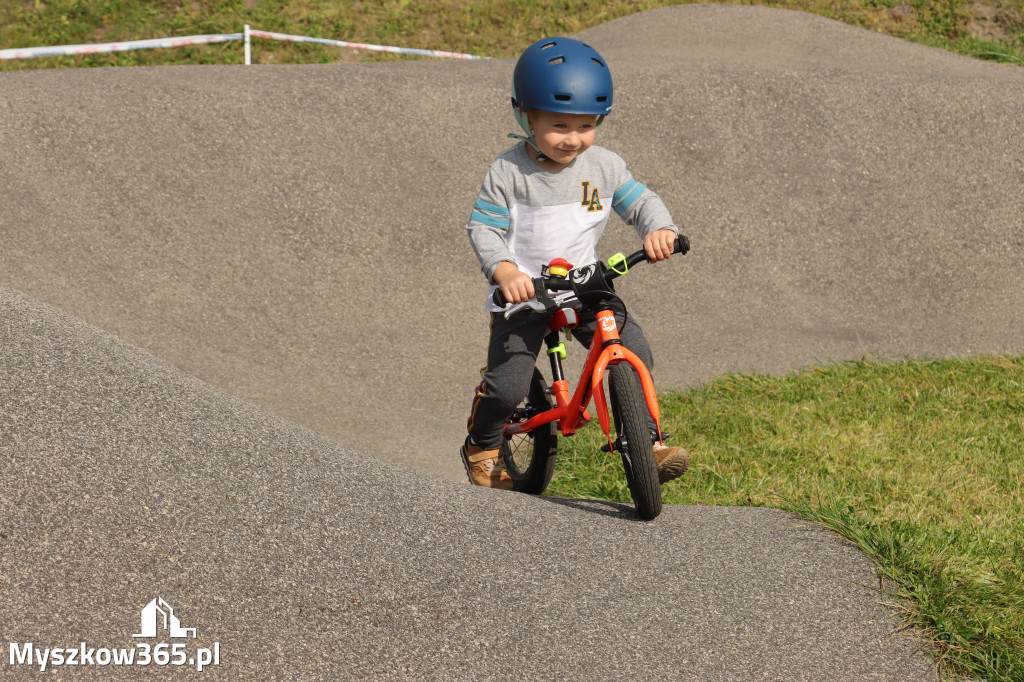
<point>499,298</point>
<point>682,244</point>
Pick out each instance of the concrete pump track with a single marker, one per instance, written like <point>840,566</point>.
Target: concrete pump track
<point>240,324</point>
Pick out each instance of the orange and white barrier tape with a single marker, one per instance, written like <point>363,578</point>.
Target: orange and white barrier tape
<point>97,48</point>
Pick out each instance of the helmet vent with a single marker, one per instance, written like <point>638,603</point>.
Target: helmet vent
<point>547,45</point>
<point>602,98</point>
<point>563,98</point>
<point>597,61</point>
<point>557,60</point>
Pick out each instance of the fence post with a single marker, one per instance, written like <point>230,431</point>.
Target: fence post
<point>248,46</point>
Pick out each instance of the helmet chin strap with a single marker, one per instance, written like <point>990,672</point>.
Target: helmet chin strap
<point>532,142</point>
<point>524,123</point>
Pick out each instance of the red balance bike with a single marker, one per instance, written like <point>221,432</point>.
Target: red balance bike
<point>531,431</point>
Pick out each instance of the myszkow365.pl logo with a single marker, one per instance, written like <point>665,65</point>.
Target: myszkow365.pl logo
<point>158,622</point>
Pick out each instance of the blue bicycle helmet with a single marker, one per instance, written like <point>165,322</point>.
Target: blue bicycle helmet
<point>562,75</point>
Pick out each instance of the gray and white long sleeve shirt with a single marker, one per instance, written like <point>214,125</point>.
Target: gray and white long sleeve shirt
<point>528,216</point>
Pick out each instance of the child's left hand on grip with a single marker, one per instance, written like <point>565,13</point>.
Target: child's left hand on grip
<point>659,244</point>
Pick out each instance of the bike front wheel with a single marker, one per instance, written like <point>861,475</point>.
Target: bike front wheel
<point>634,439</point>
<point>530,457</point>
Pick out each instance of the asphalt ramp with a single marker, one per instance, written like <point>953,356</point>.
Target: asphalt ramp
<point>241,325</point>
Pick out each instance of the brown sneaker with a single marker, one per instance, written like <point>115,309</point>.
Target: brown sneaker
<point>672,462</point>
<point>485,467</point>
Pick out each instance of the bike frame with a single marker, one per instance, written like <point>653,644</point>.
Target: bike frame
<point>570,413</point>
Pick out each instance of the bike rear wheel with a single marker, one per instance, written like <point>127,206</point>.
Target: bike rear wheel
<point>530,457</point>
<point>629,410</point>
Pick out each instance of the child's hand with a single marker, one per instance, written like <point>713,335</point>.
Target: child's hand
<point>516,285</point>
<point>659,244</point>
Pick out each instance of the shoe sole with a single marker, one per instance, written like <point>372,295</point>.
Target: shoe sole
<point>673,467</point>
<point>465,464</point>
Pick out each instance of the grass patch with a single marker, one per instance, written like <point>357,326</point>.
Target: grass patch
<point>919,463</point>
<point>988,29</point>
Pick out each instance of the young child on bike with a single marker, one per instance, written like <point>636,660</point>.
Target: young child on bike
<point>550,196</point>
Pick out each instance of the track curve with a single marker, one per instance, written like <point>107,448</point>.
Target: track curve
<point>240,333</point>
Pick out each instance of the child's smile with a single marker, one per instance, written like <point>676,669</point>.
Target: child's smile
<point>562,137</point>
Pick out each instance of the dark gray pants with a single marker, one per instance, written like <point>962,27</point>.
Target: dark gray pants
<point>511,357</point>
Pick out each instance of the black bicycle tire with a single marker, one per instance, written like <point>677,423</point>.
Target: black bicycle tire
<point>629,410</point>
<point>538,448</point>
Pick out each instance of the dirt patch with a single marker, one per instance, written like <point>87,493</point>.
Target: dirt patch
<point>995,24</point>
<point>901,13</point>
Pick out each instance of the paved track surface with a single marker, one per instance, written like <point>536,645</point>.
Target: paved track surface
<point>240,325</point>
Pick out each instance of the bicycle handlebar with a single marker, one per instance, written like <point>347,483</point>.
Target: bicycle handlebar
<point>579,279</point>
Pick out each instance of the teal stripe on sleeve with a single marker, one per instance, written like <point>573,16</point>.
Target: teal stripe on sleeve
<point>492,221</point>
<point>625,197</point>
<point>623,191</point>
<point>482,205</point>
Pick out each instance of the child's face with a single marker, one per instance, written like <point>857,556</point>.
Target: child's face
<point>562,137</point>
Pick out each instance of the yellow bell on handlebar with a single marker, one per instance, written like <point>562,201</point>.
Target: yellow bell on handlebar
<point>559,267</point>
